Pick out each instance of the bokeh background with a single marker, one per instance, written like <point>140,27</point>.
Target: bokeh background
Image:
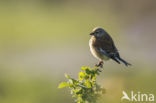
<point>40,40</point>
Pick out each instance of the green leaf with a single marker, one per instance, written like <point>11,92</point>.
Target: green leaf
<point>67,76</point>
<point>63,84</point>
<point>81,76</point>
<point>88,71</point>
<point>88,84</point>
<point>71,81</point>
<point>94,78</point>
<point>84,68</point>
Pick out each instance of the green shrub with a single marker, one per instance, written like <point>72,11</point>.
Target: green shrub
<point>85,89</point>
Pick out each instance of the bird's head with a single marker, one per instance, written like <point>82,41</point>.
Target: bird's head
<point>98,32</point>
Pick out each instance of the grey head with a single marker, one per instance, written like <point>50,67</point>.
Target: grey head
<point>98,32</point>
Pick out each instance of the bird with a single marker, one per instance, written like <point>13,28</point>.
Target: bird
<point>103,48</point>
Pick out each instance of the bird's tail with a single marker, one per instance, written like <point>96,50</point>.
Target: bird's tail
<point>123,61</point>
<point>115,59</point>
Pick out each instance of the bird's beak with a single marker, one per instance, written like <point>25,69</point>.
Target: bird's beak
<point>91,33</point>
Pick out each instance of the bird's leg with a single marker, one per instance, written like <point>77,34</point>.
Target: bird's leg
<point>100,64</point>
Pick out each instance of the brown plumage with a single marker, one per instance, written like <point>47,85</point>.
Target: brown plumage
<point>103,48</point>
<point>106,43</point>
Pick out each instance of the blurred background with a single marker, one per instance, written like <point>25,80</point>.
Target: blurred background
<point>40,40</point>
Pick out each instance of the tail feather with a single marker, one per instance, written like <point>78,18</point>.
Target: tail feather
<point>123,61</point>
<point>115,60</point>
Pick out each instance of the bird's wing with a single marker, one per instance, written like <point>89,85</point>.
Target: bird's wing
<point>107,47</point>
<point>110,55</point>
<point>108,44</point>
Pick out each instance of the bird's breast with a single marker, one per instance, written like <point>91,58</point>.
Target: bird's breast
<point>95,52</point>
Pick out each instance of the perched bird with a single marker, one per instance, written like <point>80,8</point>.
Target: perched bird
<point>103,48</point>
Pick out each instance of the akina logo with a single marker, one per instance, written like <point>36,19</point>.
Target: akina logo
<point>137,96</point>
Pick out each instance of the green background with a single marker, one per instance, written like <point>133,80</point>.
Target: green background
<point>40,40</point>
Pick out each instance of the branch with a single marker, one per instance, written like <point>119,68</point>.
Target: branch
<point>85,89</point>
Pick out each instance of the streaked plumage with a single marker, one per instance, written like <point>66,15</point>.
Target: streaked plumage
<point>102,46</point>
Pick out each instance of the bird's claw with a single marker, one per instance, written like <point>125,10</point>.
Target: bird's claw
<point>100,64</point>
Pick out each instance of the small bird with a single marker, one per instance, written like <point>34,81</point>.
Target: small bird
<point>103,48</point>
